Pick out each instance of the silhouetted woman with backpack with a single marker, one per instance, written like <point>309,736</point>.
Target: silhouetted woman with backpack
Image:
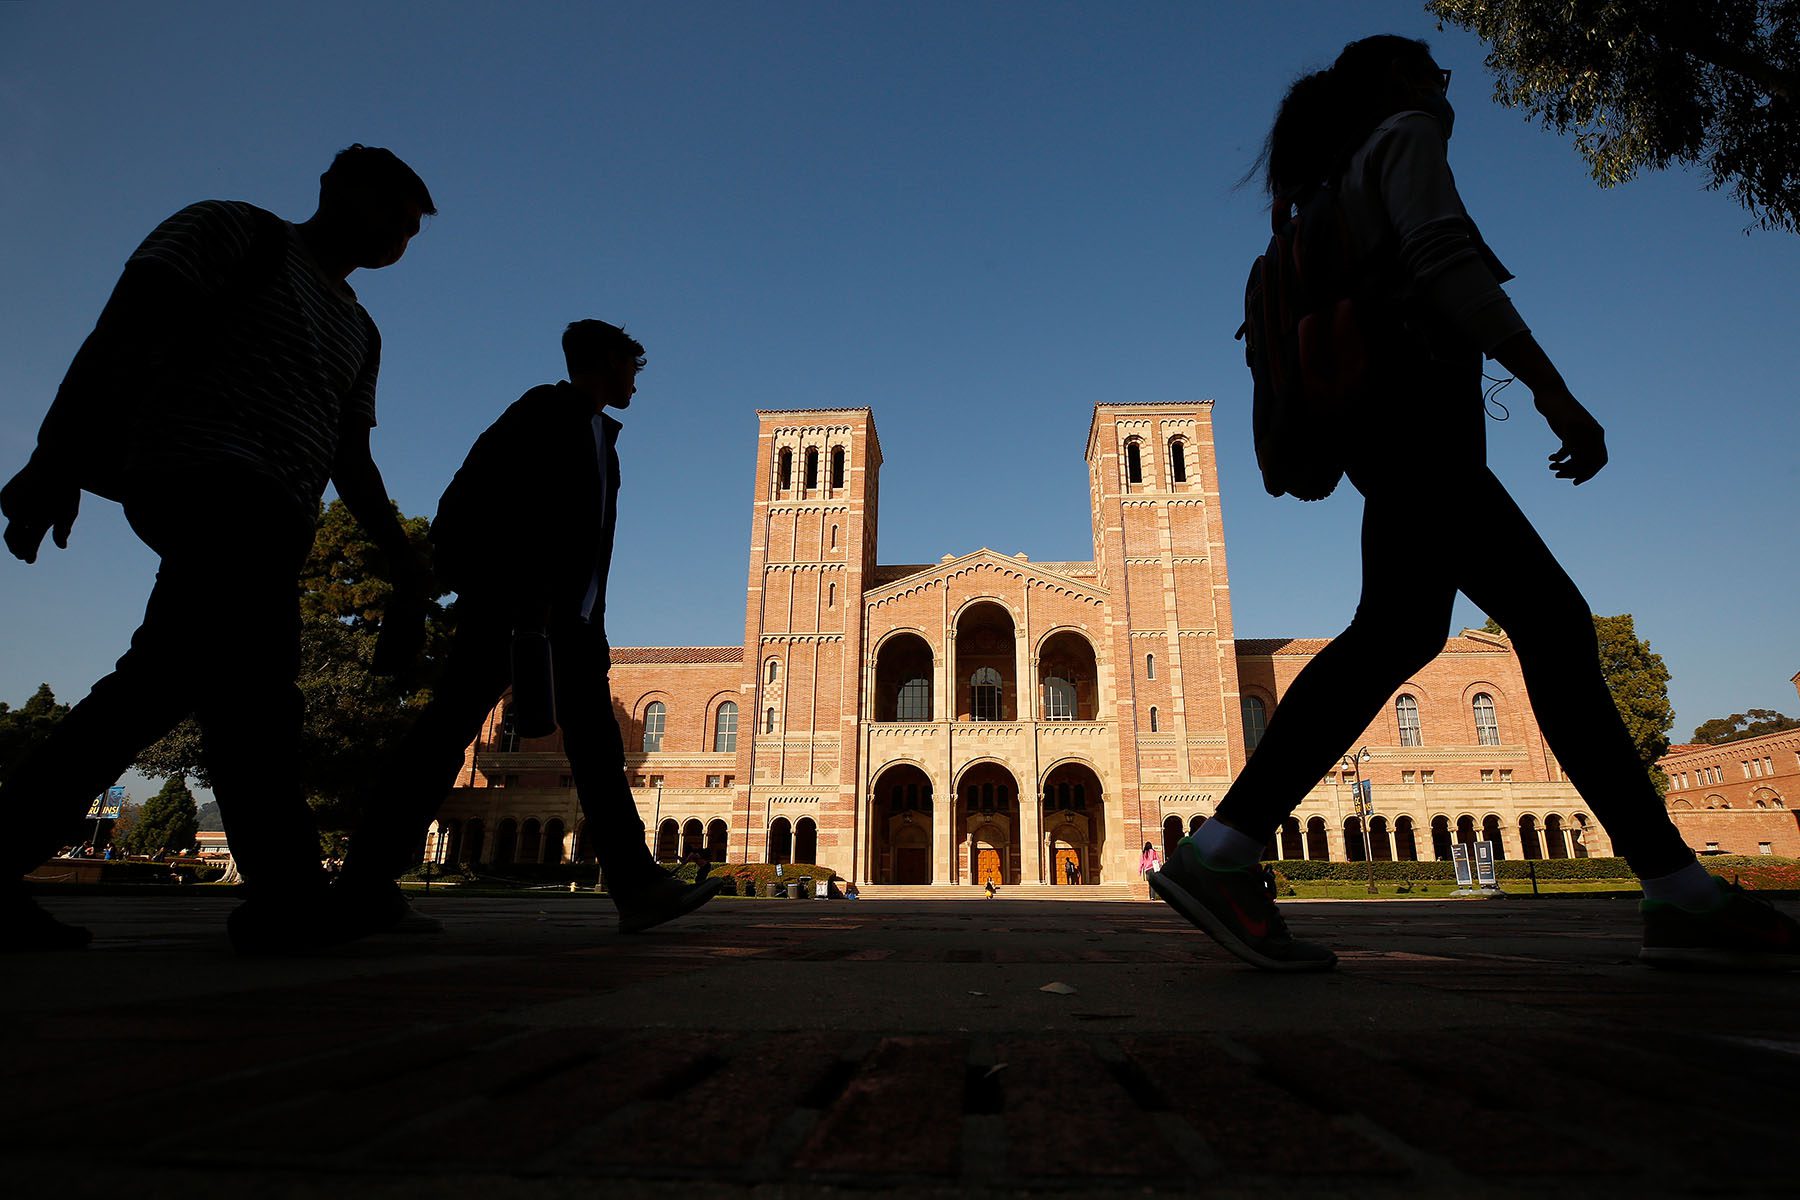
<point>1436,521</point>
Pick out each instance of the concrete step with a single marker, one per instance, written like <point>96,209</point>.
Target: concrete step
<point>1020,891</point>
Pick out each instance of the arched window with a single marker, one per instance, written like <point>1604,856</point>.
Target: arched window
<point>653,726</point>
<point>914,701</point>
<point>1154,724</point>
<point>985,695</point>
<point>1059,699</point>
<point>831,595</point>
<point>781,841</point>
<point>774,670</point>
<point>725,729</point>
<point>1406,715</point>
<point>1487,724</point>
<point>506,740</point>
<point>784,469</point>
<point>1134,462</point>
<point>768,720</point>
<point>1178,461</point>
<point>812,468</point>
<point>1149,666</point>
<point>806,840</point>
<point>668,841</point>
<point>1256,719</point>
<point>834,537</point>
<point>837,467</point>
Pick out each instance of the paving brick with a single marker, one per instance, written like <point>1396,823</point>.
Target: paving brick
<point>901,1112</point>
<point>1066,1115</point>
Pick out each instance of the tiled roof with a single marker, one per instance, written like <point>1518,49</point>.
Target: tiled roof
<point>677,654</point>
<point>1256,646</point>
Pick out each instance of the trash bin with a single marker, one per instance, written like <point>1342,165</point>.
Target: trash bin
<point>775,889</point>
<point>793,890</point>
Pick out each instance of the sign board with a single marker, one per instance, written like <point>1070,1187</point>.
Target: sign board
<point>107,805</point>
<point>1484,865</point>
<point>1459,854</point>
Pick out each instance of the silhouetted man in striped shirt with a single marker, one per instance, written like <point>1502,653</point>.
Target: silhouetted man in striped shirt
<point>231,374</point>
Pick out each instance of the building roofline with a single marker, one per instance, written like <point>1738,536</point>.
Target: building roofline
<point>1094,418</point>
<point>874,434</point>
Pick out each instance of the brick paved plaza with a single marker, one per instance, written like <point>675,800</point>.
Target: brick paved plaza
<point>784,1048</point>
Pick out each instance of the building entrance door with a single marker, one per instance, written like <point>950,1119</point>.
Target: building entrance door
<point>987,866</point>
<point>1067,867</point>
<point>912,864</point>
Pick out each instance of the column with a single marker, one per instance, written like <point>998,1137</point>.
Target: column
<point>946,819</point>
<point>1031,835</point>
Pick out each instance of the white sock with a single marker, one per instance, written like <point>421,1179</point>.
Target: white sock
<point>1219,845</point>
<point>1691,888</point>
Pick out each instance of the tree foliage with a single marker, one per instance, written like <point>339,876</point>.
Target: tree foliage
<point>1739,726</point>
<point>1650,83</point>
<point>24,727</point>
<point>352,714</point>
<point>1639,682</point>
<point>167,821</point>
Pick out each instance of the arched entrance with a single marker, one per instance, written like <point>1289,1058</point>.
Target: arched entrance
<point>668,840</point>
<point>1318,841</point>
<point>900,818</point>
<point>1554,844</point>
<point>903,673</point>
<point>1068,678</point>
<point>554,834</point>
<point>1440,839</point>
<point>506,842</point>
<point>693,840</point>
<point>781,841</point>
<point>988,796</point>
<point>1529,846</point>
<point>1406,840</point>
<point>1490,832</point>
<point>717,833</point>
<point>986,664</point>
<point>806,840</point>
<point>1172,835</point>
<point>1074,824</point>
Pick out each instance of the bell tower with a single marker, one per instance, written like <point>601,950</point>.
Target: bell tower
<point>812,545</point>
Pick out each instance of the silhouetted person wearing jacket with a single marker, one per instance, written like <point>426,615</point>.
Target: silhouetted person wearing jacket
<point>524,536</point>
<point>230,375</point>
<point>1375,126</point>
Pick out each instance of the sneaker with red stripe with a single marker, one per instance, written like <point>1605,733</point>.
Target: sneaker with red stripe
<point>1742,934</point>
<point>1236,906</point>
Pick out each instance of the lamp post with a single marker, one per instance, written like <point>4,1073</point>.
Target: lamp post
<point>1365,805</point>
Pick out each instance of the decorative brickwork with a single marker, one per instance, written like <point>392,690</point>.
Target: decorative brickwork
<point>986,716</point>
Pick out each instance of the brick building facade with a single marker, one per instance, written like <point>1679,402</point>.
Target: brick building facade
<point>1739,798</point>
<point>990,717</point>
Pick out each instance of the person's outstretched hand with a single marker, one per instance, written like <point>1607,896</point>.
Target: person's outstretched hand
<point>35,504</point>
<point>1583,449</point>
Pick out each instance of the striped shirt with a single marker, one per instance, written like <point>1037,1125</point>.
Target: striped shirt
<point>281,357</point>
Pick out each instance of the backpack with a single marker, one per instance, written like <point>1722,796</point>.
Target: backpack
<point>1308,340</point>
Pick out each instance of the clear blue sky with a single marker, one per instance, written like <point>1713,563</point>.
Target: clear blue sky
<point>978,219</point>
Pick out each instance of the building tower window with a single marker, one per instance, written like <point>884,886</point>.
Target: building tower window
<point>653,726</point>
<point>985,697</point>
<point>1178,461</point>
<point>1134,462</point>
<point>774,669</point>
<point>1256,719</point>
<point>837,468</point>
<point>784,470</point>
<point>831,595</point>
<point>1059,699</point>
<point>725,728</point>
<point>506,741</point>
<point>1149,666</point>
<point>1155,724</point>
<point>1406,714</point>
<point>768,720</point>
<point>812,469</point>
<point>1487,723</point>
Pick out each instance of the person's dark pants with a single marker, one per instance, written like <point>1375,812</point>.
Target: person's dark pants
<point>1436,521</point>
<point>423,768</point>
<point>221,640</point>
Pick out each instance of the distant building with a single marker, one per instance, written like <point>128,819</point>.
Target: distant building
<point>989,717</point>
<point>1738,798</point>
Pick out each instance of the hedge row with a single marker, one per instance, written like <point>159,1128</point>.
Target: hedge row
<point>1546,868</point>
<point>753,879</point>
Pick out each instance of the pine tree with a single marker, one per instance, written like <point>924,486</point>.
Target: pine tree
<point>168,820</point>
